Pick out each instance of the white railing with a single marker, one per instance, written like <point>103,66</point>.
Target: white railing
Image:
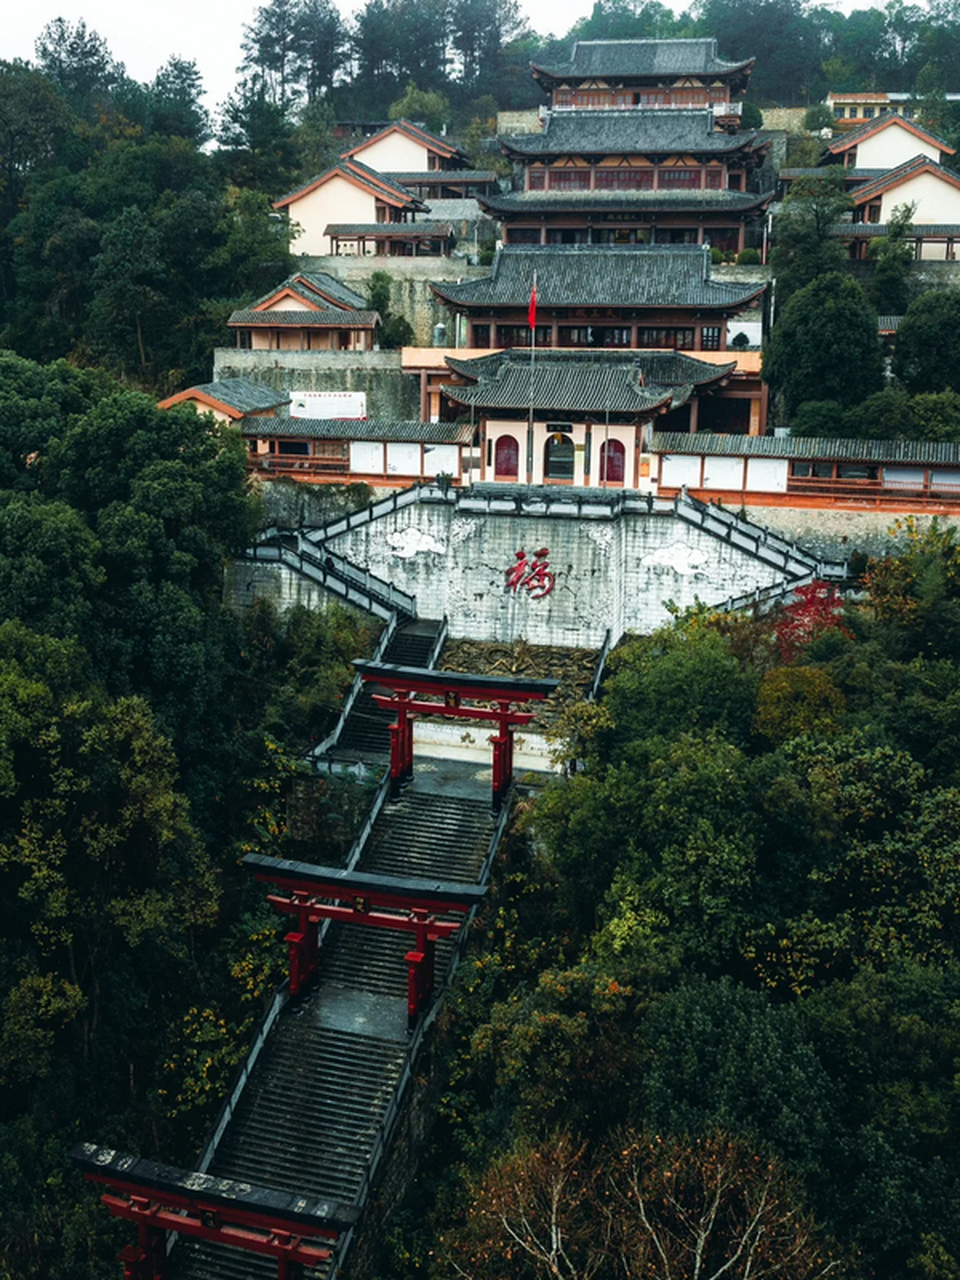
<point>718,108</point>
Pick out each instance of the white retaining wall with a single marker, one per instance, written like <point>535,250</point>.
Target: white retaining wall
<point>617,573</point>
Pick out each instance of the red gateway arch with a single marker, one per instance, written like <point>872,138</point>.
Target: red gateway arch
<point>426,691</point>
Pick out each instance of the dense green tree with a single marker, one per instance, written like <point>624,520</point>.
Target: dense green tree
<point>432,109</point>
<point>893,254</point>
<point>810,352</point>
<point>320,48</point>
<point>79,63</point>
<point>33,120</point>
<point>926,357</point>
<point>176,102</point>
<point>269,46</point>
<point>803,249</point>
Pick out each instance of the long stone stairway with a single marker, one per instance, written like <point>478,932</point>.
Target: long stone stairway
<point>314,1107</point>
<point>365,733</point>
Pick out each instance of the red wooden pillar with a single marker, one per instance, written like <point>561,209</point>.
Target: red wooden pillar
<point>396,761</point>
<point>408,725</point>
<point>421,966</point>
<point>147,1259</point>
<point>499,743</point>
<point>303,944</point>
<point>134,1263</point>
<point>401,747</point>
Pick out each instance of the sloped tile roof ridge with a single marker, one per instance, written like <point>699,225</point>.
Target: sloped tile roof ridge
<point>343,317</point>
<point>399,430</point>
<point>327,283</point>
<point>243,394</point>
<point>440,143</point>
<point>644,57</point>
<point>919,451</point>
<point>376,176</point>
<point>631,131</point>
<point>884,118</point>
<point>665,368</point>
<point>892,176</point>
<point>733,201</point>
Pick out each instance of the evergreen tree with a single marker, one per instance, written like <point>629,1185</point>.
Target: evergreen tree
<point>825,345</point>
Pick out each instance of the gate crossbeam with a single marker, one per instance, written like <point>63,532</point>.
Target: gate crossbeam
<point>160,1198</point>
<point>403,904</point>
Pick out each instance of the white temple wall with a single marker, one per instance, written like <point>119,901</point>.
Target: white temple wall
<point>607,573</point>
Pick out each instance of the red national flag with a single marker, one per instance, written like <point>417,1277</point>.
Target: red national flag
<point>532,309</point>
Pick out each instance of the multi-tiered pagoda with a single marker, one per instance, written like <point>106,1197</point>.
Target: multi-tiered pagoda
<point>640,144</point>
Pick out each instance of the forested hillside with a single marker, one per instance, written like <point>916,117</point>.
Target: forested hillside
<point>147,738</point>
<point>719,985</point>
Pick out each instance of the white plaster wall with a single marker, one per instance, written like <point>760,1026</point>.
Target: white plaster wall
<point>608,573</point>
<point>767,475</point>
<point>723,473</point>
<point>936,200</point>
<point>337,200</point>
<point>892,146</point>
<point>438,458</point>
<point>403,458</point>
<point>470,740</point>
<point>395,153</point>
<point>677,469</point>
<point>367,457</point>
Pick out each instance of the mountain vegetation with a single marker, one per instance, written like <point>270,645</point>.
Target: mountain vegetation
<point>717,988</point>
<point>148,737</point>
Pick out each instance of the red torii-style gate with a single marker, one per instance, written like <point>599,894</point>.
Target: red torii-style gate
<point>295,1230</point>
<point>450,687</point>
<point>400,903</point>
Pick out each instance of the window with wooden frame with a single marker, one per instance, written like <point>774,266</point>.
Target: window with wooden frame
<point>679,178</point>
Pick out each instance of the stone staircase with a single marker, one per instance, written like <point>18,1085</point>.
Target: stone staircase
<point>365,733</point>
<point>315,1104</point>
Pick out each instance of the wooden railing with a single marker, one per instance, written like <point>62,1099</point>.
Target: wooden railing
<point>876,491</point>
<point>297,465</point>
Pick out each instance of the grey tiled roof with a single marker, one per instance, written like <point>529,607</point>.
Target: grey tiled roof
<point>561,201</point>
<point>599,276</point>
<point>574,381</point>
<point>888,324</point>
<point>870,126</point>
<point>335,289</point>
<point>868,230</point>
<point>330,318</point>
<point>629,132</point>
<point>644,58</point>
<point>390,230</point>
<point>442,177</point>
<point>314,287</point>
<point>849,175</point>
<point>243,395</point>
<point>399,430</point>
<point>669,368</point>
<point>892,177</point>
<point>349,167</point>
<point>899,451</point>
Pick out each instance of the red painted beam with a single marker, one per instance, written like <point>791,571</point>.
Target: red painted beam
<point>246,1214</point>
<point>317,911</point>
<point>274,1244</point>
<point>463,713</point>
<point>481,693</point>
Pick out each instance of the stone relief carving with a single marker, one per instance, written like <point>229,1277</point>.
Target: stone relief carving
<point>408,542</point>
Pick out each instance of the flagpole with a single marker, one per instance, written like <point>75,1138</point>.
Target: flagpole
<point>532,320</point>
